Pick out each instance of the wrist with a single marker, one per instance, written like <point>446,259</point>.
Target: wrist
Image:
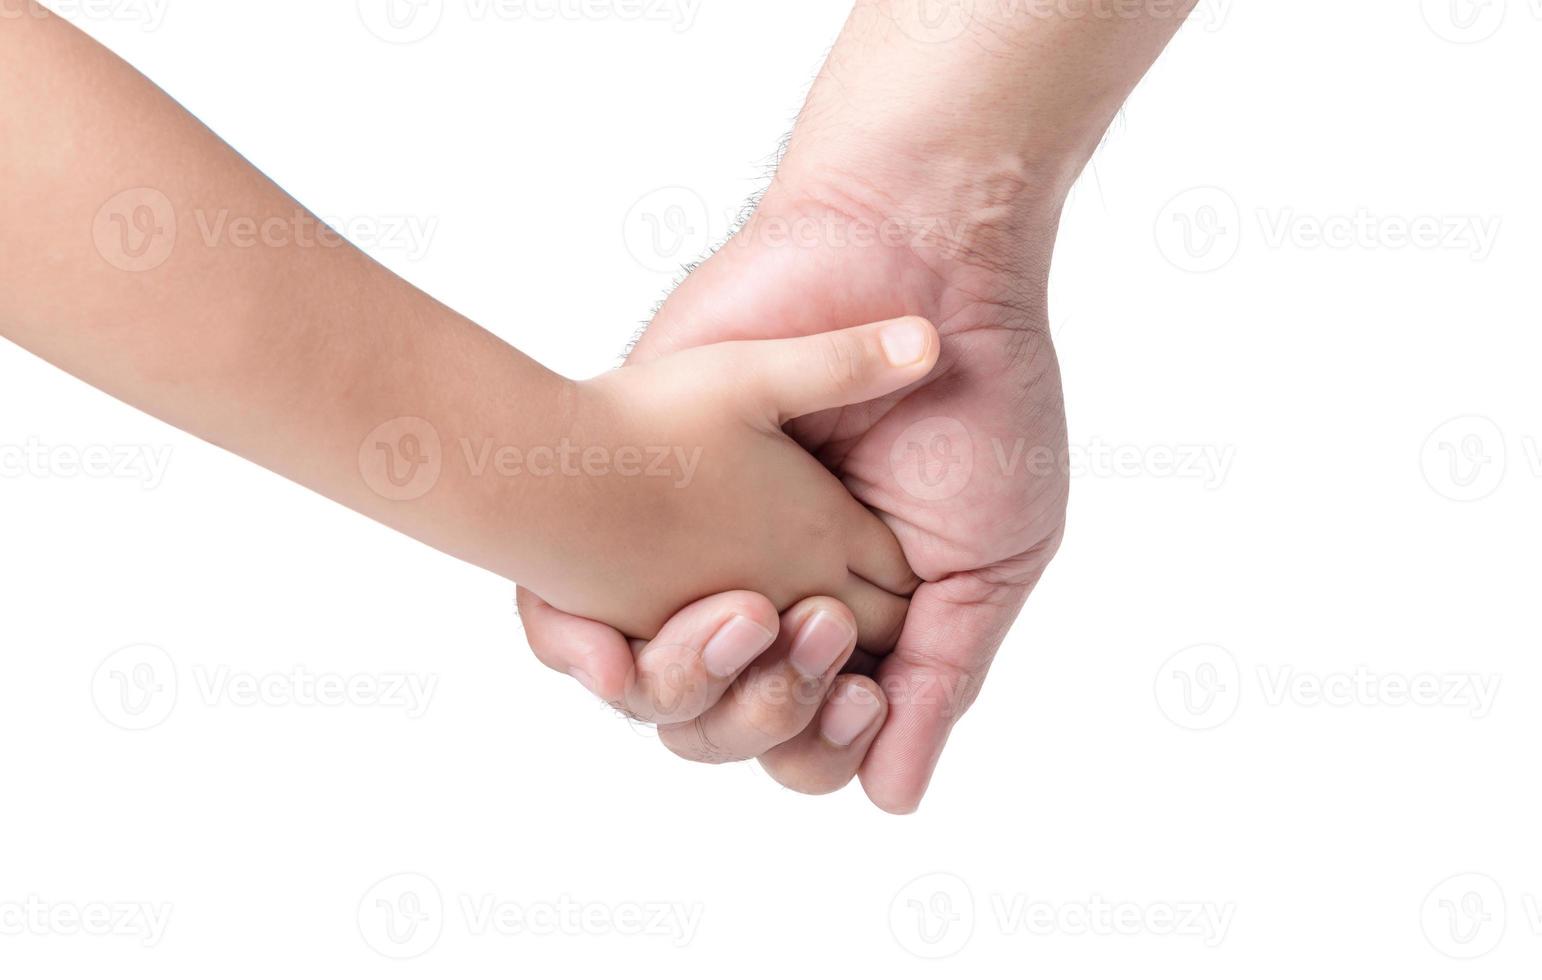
<point>956,177</point>
<point>1020,92</point>
<point>960,228</point>
<point>964,165</point>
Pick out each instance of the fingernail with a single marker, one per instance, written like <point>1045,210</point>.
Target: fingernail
<point>589,683</point>
<point>904,342</point>
<point>847,717</point>
<point>739,641</point>
<point>820,643</point>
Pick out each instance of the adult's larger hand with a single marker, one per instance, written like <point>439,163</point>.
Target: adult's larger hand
<point>925,176</point>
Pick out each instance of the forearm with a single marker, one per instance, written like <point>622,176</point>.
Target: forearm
<point>994,98</point>
<point>286,346</point>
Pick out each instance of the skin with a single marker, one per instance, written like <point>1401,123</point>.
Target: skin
<point>298,352</point>
<point>965,137</point>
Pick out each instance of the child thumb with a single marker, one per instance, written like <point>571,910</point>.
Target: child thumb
<point>804,375</point>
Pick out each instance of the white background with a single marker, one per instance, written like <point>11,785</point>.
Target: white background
<point>1155,734</point>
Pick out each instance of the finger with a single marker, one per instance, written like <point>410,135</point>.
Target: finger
<point>803,375</point>
<point>880,614</point>
<point>777,698</point>
<point>684,670</point>
<point>874,553</point>
<point>595,655</point>
<point>951,634</point>
<point>827,753</point>
<point>675,676</point>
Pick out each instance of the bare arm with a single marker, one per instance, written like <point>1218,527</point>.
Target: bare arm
<point>143,255</point>
<point>978,86</point>
<point>128,260</point>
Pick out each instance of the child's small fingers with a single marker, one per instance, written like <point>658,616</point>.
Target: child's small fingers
<point>873,552</point>
<point>777,698</point>
<point>880,614</point>
<point>829,751</point>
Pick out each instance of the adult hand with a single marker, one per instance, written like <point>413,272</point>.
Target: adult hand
<point>925,176</point>
<point>833,251</point>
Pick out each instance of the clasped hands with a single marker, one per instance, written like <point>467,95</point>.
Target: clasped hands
<point>843,590</point>
<point>868,507</point>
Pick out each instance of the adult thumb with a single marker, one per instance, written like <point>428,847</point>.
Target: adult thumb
<point>804,375</point>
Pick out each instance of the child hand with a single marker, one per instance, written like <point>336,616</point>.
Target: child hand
<point>717,497</point>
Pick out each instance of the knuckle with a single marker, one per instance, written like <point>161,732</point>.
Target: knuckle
<point>693,742</point>
<point>779,712</point>
<point>842,361</point>
<point>670,694</point>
